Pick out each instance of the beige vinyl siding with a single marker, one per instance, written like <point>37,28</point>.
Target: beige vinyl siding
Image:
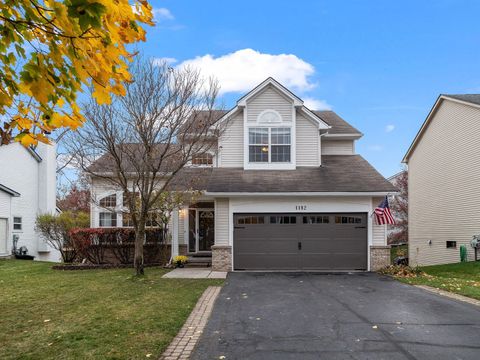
<point>444,188</point>
<point>181,226</point>
<point>308,142</point>
<point>269,98</point>
<point>378,231</point>
<point>337,147</point>
<point>221,221</point>
<point>231,143</point>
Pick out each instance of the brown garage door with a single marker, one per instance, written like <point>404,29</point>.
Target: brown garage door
<point>317,241</point>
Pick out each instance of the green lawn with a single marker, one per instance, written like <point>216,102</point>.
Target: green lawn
<point>90,314</point>
<point>460,278</point>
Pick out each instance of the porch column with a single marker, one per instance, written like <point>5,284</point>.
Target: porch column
<point>174,244</point>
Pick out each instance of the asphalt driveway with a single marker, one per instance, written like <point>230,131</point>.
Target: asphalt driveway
<point>346,316</point>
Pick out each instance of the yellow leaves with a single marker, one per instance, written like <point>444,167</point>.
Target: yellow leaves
<point>87,49</point>
<point>101,95</point>
<point>26,139</point>
<point>23,123</point>
<point>41,89</point>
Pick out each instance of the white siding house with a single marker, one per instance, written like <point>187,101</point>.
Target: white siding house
<point>27,189</point>
<point>287,192</point>
<point>444,188</point>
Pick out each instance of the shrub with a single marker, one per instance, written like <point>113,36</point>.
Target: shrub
<point>92,244</point>
<point>55,229</point>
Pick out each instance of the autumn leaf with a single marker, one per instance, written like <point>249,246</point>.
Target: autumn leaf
<point>88,48</point>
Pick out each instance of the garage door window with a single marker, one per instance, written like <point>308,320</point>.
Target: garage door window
<point>250,220</point>
<point>316,219</point>
<point>283,220</point>
<point>348,220</point>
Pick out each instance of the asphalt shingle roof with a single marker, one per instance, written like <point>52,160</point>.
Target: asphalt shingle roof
<point>471,98</point>
<point>338,173</point>
<point>339,125</point>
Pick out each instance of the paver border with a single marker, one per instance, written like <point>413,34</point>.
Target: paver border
<point>449,294</point>
<point>183,344</point>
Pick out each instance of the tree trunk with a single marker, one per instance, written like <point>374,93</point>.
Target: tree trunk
<point>138,257</point>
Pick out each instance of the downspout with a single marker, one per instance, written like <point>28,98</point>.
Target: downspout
<point>321,132</point>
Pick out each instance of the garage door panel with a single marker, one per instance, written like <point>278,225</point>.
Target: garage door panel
<point>266,261</point>
<point>328,242</point>
<point>258,245</point>
<point>332,245</point>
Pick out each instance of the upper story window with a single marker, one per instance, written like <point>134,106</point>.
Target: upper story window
<point>109,201</point>
<point>205,159</point>
<point>269,145</point>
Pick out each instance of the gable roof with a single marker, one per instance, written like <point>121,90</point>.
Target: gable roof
<point>470,98</point>
<point>270,81</point>
<point>297,102</point>
<point>466,99</point>
<point>338,124</point>
<point>131,156</point>
<point>9,191</point>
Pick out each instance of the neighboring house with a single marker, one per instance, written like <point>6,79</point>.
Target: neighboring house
<point>444,186</point>
<point>284,190</point>
<point>27,189</point>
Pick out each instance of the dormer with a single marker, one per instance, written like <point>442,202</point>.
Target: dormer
<point>271,129</point>
<point>270,118</point>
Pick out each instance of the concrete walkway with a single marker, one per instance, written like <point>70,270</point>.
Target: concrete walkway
<point>195,273</point>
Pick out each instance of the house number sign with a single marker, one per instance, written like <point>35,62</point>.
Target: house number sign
<point>301,207</point>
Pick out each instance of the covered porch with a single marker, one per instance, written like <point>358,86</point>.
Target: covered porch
<point>194,232</point>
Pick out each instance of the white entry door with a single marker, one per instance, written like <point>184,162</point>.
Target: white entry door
<point>3,236</point>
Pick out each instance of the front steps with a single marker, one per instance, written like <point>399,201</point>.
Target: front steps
<point>199,261</point>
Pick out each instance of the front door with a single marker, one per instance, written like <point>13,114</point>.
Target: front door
<point>3,236</point>
<point>206,230</point>
<point>201,229</point>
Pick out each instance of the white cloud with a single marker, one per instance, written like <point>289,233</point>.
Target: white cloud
<point>389,128</point>
<point>243,69</point>
<point>162,14</point>
<point>375,147</point>
<point>315,104</point>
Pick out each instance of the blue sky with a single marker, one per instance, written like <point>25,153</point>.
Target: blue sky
<point>378,64</point>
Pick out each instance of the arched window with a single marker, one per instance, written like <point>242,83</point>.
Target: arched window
<point>109,201</point>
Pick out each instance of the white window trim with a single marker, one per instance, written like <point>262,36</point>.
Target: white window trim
<point>13,224</point>
<point>269,165</point>
<point>108,212</point>
<point>269,145</point>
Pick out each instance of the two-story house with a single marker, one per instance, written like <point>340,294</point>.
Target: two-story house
<point>443,184</point>
<point>284,190</point>
<point>27,189</point>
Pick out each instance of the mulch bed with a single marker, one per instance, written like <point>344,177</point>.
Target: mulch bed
<point>100,266</point>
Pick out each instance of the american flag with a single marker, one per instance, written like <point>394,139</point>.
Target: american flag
<point>383,214</point>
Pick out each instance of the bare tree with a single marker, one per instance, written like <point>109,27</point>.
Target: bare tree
<point>399,206</point>
<point>141,142</point>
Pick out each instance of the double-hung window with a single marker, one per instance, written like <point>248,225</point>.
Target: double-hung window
<point>17,223</point>
<point>269,145</point>
<point>107,219</point>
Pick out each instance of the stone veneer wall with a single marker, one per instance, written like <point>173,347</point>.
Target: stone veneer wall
<point>182,249</point>
<point>379,257</point>
<point>221,258</point>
